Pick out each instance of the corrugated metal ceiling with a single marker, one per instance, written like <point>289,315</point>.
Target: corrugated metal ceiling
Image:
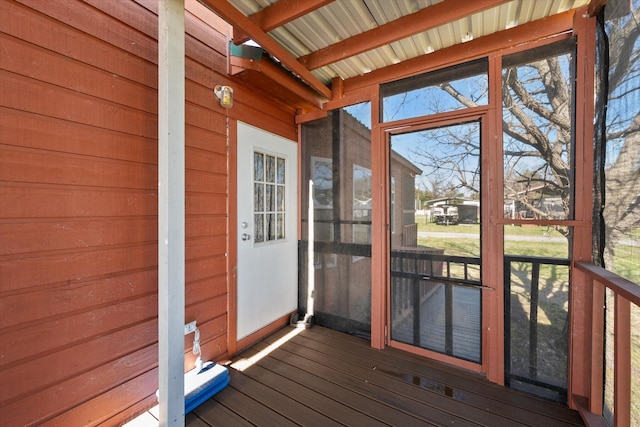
<point>343,19</point>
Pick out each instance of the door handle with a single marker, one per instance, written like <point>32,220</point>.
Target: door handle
<point>246,236</point>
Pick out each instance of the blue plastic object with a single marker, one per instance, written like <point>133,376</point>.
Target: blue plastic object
<point>200,385</point>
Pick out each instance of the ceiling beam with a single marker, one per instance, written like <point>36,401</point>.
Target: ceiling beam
<point>277,74</point>
<point>595,6</point>
<point>547,28</point>
<point>278,14</point>
<point>234,17</point>
<point>417,22</point>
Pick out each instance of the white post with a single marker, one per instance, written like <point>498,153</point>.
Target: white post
<point>171,202</point>
<point>311,268</point>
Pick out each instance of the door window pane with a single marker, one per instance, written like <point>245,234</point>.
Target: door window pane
<point>270,168</point>
<point>281,171</point>
<point>259,227</point>
<point>258,167</point>
<point>268,197</point>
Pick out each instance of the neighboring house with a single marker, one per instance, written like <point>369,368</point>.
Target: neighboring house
<point>402,201</point>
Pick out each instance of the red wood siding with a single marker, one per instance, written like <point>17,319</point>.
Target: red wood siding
<point>78,203</point>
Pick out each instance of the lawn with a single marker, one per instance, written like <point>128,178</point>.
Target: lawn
<point>545,242</point>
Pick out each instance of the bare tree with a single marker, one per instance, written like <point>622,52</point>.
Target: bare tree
<point>453,171</point>
<point>537,129</point>
<point>622,107</point>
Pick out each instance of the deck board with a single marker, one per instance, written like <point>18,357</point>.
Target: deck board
<point>371,384</point>
<point>215,414</point>
<point>341,414</point>
<point>353,392</point>
<point>280,402</point>
<point>448,380</point>
<point>429,397</point>
<point>417,368</point>
<point>325,378</point>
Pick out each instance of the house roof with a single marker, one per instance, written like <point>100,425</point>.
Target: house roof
<point>399,158</point>
<point>320,41</point>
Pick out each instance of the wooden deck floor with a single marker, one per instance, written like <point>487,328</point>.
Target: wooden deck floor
<point>320,377</point>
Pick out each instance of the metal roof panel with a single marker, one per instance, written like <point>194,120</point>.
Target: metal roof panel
<point>342,19</point>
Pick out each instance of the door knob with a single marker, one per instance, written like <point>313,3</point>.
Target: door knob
<point>246,236</point>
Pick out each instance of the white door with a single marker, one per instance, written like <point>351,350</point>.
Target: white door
<point>267,232</point>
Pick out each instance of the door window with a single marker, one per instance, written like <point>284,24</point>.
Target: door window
<point>268,197</point>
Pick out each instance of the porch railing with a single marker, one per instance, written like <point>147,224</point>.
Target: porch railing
<point>625,293</point>
<point>528,373</point>
<point>417,274</point>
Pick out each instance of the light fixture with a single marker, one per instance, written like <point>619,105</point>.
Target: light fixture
<point>225,95</point>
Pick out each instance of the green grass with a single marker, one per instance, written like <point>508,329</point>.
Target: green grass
<point>541,249</point>
<point>626,261</point>
<point>541,231</point>
<point>471,247</point>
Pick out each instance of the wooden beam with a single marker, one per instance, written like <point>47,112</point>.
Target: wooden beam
<point>595,6</point>
<point>380,250</point>
<point>278,75</point>
<point>529,32</point>
<point>621,286</point>
<point>492,248</point>
<point>596,345</point>
<point>417,22</point>
<point>234,17</point>
<point>278,14</point>
<point>582,338</point>
<point>337,87</point>
<point>171,210</point>
<point>622,362</point>
<point>590,419</point>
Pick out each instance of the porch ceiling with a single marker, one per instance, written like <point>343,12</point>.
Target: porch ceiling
<point>321,40</point>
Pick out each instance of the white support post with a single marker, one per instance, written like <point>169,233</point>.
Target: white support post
<point>171,211</point>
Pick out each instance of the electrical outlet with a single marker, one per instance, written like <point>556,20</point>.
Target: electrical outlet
<point>190,327</point>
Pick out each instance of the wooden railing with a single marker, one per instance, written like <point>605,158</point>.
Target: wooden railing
<point>626,293</point>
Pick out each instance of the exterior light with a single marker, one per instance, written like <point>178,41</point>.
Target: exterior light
<point>225,95</point>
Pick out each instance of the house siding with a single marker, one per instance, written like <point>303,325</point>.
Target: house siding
<point>78,203</point>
